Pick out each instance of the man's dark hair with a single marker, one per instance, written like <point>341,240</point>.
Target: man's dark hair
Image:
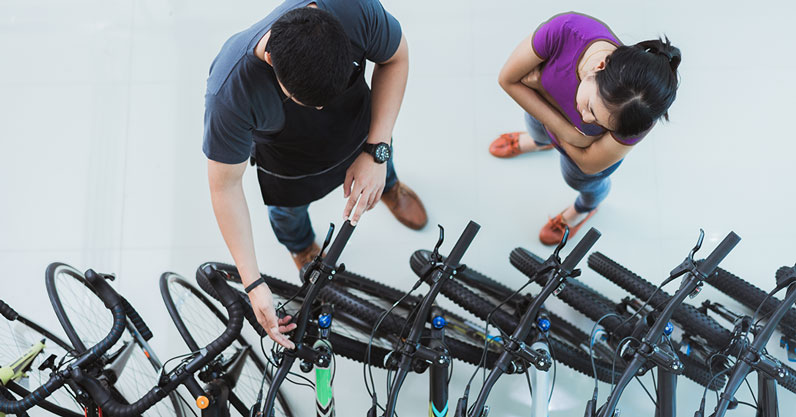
<point>639,84</point>
<point>311,55</point>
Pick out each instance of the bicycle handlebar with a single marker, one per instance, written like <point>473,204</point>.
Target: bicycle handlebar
<point>709,265</point>
<point>114,303</point>
<point>338,244</point>
<point>462,244</point>
<point>7,311</point>
<point>102,397</point>
<point>581,249</point>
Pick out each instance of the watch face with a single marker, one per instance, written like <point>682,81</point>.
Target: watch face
<point>382,152</point>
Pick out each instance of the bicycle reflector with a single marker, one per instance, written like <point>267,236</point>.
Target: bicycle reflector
<point>668,329</point>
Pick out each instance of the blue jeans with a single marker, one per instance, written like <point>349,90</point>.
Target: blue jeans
<point>292,225</point>
<point>592,188</point>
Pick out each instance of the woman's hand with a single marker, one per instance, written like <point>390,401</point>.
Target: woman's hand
<point>533,79</point>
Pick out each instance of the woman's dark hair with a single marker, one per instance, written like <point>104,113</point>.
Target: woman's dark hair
<point>639,83</point>
<point>311,55</point>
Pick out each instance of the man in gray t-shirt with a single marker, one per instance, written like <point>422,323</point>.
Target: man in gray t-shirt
<point>289,95</point>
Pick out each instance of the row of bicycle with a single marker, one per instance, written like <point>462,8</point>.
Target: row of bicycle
<point>108,368</point>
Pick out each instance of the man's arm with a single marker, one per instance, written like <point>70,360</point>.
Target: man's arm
<point>232,215</point>
<point>521,63</point>
<point>388,85</point>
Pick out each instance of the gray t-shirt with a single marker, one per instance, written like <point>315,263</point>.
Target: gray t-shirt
<point>242,102</point>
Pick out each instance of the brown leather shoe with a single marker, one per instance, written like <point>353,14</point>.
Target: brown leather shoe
<point>406,206</point>
<point>305,256</point>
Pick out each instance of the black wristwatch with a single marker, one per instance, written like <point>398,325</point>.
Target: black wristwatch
<point>380,151</point>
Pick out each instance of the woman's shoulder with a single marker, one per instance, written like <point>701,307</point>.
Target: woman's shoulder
<point>575,23</point>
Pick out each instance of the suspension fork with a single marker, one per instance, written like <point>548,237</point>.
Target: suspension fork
<point>438,371</point>
<point>324,375</point>
<point>767,396</point>
<point>540,383</point>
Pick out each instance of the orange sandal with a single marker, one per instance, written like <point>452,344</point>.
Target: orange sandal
<point>553,231</point>
<point>507,145</point>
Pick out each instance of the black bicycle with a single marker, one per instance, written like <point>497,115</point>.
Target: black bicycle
<point>653,348</point>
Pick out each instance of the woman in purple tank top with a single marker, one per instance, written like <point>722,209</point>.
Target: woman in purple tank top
<point>591,98</point>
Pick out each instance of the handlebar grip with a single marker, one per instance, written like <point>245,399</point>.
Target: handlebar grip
<point>108,295</point>
<point>709,265</point>
<point>138,322</point>
<point>462,244</point>
<point>338,244</point>
<point>7,311</point>
<point>581,249</point>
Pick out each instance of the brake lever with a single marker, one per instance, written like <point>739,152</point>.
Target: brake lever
<point>561,244</point>
<point>435,256</point>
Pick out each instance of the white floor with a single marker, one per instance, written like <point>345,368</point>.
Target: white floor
<point>101,130</point>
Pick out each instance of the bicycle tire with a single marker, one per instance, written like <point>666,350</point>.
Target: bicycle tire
<point>752,297</point>
<point>72,297</point>
<point>463,344</point>
<point>596,306</point>
<point>685,315</point>
<point>19,340</point>
<point>567,353</point>
<point>194,315</point>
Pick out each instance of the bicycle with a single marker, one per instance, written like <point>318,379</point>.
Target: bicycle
<point>516,354</point>
<point>411,353</point>
<point>653,349</point>
<point>128,366</point>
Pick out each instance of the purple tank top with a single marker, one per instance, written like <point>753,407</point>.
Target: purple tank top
<point>561,42</point>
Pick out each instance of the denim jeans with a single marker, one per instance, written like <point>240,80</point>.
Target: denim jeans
<point>592,188</point>
<point>292,225</point>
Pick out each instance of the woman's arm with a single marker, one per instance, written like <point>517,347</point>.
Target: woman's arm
<point>522,62</point>
<point>599,155</point>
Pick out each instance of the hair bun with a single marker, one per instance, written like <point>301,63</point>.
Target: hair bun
<point>663,48</point>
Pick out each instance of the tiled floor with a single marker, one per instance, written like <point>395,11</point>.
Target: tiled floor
<point>101,129</point>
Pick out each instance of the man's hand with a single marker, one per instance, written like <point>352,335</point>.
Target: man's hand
<point>263,306</point>
<point>364,182</point>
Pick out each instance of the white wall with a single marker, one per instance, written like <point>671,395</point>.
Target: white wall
<point>101,130</point>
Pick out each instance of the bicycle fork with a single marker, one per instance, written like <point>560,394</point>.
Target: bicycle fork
<point>439,371</point>
<point>324,375</point>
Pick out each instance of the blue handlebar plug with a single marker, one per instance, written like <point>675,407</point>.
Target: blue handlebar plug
<point>668,329</point>
<point>324,321</point>
<point>439,322</point>
<point>543,323</point>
